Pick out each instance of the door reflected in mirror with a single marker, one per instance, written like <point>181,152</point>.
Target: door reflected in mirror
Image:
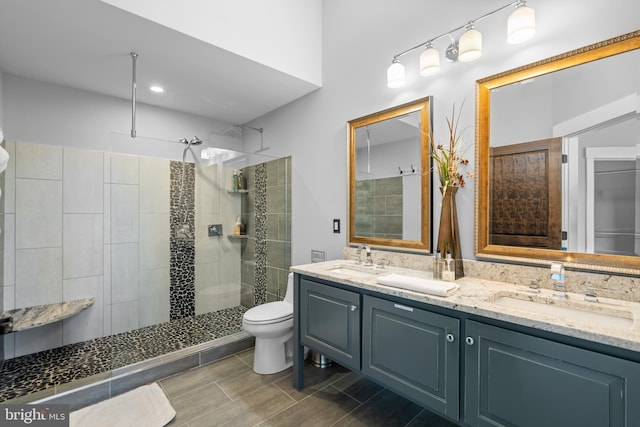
<point>389,179</point>
<point>558,144</point>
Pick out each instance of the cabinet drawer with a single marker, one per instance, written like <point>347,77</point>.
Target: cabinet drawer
<point>330,322</point>
<point>513,379</point>
<point>413,351</point>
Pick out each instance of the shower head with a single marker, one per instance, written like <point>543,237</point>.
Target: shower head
<point>194,141</point>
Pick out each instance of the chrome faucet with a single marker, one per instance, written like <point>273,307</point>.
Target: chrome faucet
<point>557,275</point>
<point>367,249</point>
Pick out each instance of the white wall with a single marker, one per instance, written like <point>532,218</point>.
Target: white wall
<point>282,34</point>
<point>44,113</point>
<point>360,39</point>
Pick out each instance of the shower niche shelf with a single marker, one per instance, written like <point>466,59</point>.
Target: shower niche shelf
<point>39,315</point>
<point>237,192</point>
<point>237,236</point>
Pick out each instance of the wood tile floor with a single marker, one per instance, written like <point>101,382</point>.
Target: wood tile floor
<point>229,393</point>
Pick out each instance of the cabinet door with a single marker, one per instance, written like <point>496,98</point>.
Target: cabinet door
<point>513,379</point>
<point>330,322</point>
<point>414,352</point>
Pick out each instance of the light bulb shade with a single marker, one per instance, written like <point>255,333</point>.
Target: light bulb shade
<point>429,62</point>
<point>395,75</point>
<point>470,45</point>
<point>521,25</point>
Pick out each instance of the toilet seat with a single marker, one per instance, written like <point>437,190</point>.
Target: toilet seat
<point>272,312</point>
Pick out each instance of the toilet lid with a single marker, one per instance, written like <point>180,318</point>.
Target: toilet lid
<point>270,312</point>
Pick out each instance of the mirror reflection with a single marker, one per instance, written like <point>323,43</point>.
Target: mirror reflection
<point>560,141</point>
<point>389,198</point>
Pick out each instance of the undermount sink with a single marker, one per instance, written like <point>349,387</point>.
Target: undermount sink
<point>597,313</point>
<point>355,271</point>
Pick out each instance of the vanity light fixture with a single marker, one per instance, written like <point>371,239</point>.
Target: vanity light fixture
<point>470,44</point>
<point>156,89</point>
<point>521,26</point>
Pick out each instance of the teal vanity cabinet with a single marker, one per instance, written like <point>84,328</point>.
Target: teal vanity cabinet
<point>413,351</point>
<point>474,370</point>
<point>330,322</point>
<point>514,379</point>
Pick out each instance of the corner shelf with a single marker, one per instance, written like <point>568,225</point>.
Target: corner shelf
<point>237,236</point>
<point>31,317</point>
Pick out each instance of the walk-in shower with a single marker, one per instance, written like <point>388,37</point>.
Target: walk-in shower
<point>155,291</point>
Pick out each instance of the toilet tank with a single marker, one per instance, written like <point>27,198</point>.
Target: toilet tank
<point>288,296</point>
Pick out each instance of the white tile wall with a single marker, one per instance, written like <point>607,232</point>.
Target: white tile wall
<point>124,317</point>
<point>124,213</point>
<point>154,197</point>
<point>154,241</point>
<point>211,292</point>
<point>38,339</point>
<point>207,189</point>
<point>124,169</point>
<point>154,296</point>
<point>38,213</point>
<point>9,250</point>
<point>207,248</point>
<point>88,323</point>
<point>38,161</point>
<point>38,276</point>
<point>9,297</point>
<point>124,272</point>
<point>82,245</point>
<point>9,190</point>
<point>83,181</point>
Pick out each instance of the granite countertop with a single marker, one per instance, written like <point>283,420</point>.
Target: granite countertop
<point>483,297</point>
<point>31,317</point>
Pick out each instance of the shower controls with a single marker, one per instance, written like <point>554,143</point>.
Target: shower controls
<point>214,230</point>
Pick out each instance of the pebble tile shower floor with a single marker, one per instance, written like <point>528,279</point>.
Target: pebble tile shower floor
<point>23,375</point>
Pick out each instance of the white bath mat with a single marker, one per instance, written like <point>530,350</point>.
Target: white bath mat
<point>145,406</point>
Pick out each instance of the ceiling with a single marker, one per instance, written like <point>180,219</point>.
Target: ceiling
<point>87,44</point>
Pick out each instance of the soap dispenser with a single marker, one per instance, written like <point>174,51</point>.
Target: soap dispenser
<point>449,270</point>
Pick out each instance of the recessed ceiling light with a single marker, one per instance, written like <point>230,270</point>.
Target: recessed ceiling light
<point>157,89</point>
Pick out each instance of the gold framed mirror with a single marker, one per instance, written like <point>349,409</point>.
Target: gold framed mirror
<point>390,177</point>
<point>557,155</point>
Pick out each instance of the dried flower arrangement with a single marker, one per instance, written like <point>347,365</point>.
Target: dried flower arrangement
<point>450,160</point>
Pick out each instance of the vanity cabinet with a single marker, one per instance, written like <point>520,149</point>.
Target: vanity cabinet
<point>473,370</point>
<point>413,351</point>
<point>330,322</point>
<point>514,379</point>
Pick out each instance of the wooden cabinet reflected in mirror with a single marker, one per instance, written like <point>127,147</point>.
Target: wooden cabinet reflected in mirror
<point>389,178</point>
<point>557,146</point>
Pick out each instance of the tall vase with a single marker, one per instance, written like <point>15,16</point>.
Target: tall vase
<point>448,234</point>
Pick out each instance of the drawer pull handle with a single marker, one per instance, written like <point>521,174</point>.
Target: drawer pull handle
<point>403,307</point>
<point>469,340</point>
<point>354,307</point>
<point>451,338</point>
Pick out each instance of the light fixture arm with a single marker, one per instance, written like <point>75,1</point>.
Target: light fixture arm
<point>461,27</point>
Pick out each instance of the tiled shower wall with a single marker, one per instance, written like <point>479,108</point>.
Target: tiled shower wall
<point>266,209</point>
<point>379,207</point>
<point>82,223</point>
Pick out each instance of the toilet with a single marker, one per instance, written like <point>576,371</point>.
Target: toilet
<point>272,325</point>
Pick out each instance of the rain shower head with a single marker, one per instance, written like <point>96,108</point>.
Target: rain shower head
<point>194,141</point>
